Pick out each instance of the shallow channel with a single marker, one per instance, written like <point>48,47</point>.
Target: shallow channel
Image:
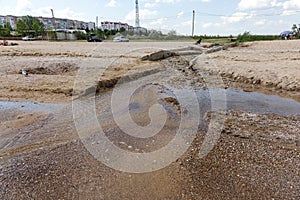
<point>235,100</point>
<point>254,102</point>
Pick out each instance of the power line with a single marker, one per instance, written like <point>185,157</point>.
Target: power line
<point>206,14</point>
<point>254,14</point>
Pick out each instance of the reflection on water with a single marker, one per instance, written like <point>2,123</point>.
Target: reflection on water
<point>253,102</point>
<point>30,106</point>
<point>235,100</point>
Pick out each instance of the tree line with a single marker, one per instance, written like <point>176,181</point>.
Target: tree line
<point>32,26</point>
<point>27,25</point>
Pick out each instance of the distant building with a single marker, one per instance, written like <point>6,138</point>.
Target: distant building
<point>2,20</point>
<point>115,26</point>
<point>91,26</point>
<point>48,23</point>
<point>140,31</point>
<point>12,20</point>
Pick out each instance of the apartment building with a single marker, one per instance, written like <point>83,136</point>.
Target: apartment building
<point>58,23</point>
<point>10,19</point>
<point>115,26</point>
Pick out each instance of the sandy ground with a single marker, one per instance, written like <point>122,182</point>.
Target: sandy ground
<point>62,60</point>
<point>272,66</point>
<point>260,65</point>
<point>257,155</point>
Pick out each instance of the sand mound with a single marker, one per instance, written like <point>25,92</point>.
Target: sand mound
<point>63,68</point>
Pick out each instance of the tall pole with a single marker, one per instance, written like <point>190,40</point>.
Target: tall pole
<point>53,20</point>
<point>137,15</point>
<point>193,24</point>
<point>97,23</point>
<point>54,23</point>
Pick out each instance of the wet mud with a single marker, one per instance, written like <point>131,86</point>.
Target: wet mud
<point>256,155</point>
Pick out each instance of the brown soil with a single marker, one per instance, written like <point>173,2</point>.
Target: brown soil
<point>41,156</point>
<point>264,66</point>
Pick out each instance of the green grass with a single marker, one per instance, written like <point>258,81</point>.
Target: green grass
<point>247,37</point>
<point>219,41</point>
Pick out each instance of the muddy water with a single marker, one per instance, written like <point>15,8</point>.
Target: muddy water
<point>54,118</point>
<point>30,106</point>
<point>235,100</point>
<point>252,102</point>
<point>59,127</point>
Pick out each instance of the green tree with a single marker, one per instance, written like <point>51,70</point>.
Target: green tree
<point>172,33</point>
<point>154,34</point>
<point>22,27</point>
<point>36,28</point>
<point>1,30</point>
<point>122,29</point>
<point>8,27</point>
<point>51,34</point>
<point>296,30</point>
<point>80,35</point>
<point>30,24</point>
<point>6,30</point>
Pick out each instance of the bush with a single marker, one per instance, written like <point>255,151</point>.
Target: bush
<point>247,37</point>
<point>80,36</point>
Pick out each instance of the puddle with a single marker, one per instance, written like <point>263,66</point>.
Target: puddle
<point>252,102</point>
<point>30,106</point>
<point>236,100</point>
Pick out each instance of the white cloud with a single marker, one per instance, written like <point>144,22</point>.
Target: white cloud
<point>43,11</point>
<point>158,22</point>
<point>256,4</point>
<point>292,4</point>
<point>23,5</point>
<point>291,7</point>
<point>144,14</point>
<point>156,2</point>
<point>206,1</point>
<point>112,4</point>
<point>167,1</point>
<point>288,7</point>
<point>69,13</point>
<point>150,5</point>
<point>288,12</point>
<point>187,23</point>
<point>261,22</point>
<point>26,7</point>
<point>153,4</point>
<point>236,17</point>
<point>179,15</point>
<point>211,25</point>
<point>66,13</point>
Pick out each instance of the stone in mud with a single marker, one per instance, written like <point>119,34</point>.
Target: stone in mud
<point>216,49</point>
<point>160,55</point>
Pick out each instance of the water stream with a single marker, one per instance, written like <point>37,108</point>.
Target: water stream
<point>235,99</point>
<point>254,102</point>
<point>30,106</point>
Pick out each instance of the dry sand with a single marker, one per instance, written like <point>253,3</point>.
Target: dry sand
<point>41,157</point>
<point>272,66</point>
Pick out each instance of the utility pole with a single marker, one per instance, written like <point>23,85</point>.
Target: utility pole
<point>193,24</point>
<point>137,14</point>
<point>54,22</point>
<point>97,23</point>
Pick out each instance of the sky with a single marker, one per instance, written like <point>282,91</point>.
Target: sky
<point>212,17</point>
